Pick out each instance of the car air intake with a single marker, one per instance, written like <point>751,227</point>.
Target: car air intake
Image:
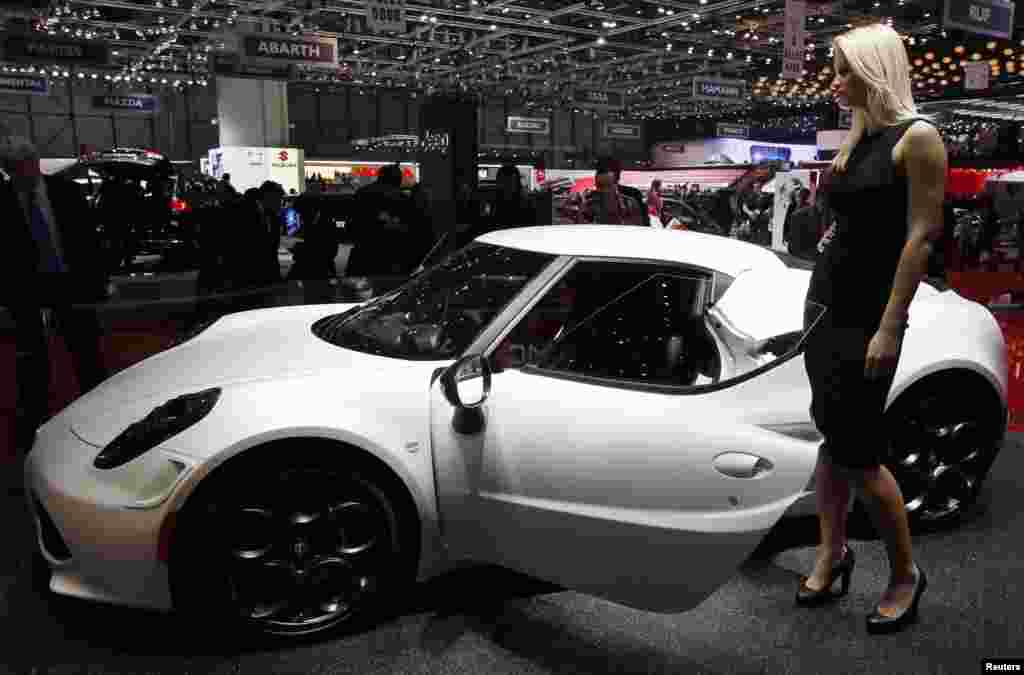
<point>53,542</point>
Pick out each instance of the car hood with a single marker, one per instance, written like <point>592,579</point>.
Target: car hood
<point>239,348</point>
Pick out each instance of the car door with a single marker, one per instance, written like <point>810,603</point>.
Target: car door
<point>642,492</point>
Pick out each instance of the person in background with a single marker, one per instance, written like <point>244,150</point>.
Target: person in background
<point>803,226</point>
<point>256,237</point>
<point>608,204</point>
<point>272,203</point>
<point>225,186</point>
<point>655,204</point>
<point>798,199</point>
<point>380,226</point>
<point>54,262</point>
<point>511,207</point>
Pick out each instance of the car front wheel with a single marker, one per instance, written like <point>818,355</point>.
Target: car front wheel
<point>293,550</point>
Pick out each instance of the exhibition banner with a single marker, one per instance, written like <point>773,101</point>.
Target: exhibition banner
<point>976,75</point>
<point>265,49</point>
<point>983,17</point>
<point>132,102</point>
<point>732,131</point>
<point>385,16</point>
<point>597,99</point>
<point>719,91</point>
<point>794,41</point>
<point>41,47</point>
<point>624,131</point>
<point>24,84</point>
<point>528,125</point>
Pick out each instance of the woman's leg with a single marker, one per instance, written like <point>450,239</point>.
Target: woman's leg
<point>832,492</point>
<point>884,503</point>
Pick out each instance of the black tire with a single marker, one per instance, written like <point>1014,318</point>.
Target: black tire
<point>945,432</point>
<point>290,548</point>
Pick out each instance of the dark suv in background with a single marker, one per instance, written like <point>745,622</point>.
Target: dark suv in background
<point>143,222</point>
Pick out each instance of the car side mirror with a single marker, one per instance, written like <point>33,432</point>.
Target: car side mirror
<point>467,383</point>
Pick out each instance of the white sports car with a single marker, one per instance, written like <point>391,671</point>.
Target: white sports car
<point>622,411</point>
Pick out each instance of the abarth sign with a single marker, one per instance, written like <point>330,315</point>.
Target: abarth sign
<point>262,48</point>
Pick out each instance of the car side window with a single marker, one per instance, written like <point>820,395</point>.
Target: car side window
<point>627,321</point>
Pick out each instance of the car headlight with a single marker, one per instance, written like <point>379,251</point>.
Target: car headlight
<point>162,423</point>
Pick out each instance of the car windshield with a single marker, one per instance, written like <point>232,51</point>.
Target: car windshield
<point>438,314</point>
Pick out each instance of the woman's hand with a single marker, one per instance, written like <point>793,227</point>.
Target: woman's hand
<point>839,161</point>
<point>883,353</point>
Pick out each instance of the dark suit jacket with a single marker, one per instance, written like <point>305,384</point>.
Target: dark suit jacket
<point>86,280</point>
<point>802,228</point>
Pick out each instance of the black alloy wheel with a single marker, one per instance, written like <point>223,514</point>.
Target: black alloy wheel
<point>297,551</point>
<point>944,437</point>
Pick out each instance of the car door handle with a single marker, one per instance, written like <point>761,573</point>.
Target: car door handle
<point>742,465</point>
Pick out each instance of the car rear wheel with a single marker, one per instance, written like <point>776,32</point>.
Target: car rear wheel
<point>292,550</point>
<point>944,435</point>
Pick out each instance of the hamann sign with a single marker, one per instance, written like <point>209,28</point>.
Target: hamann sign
<point>615,130</point>
<point>984,17</point>
<point>528,125</point>
<point>732,130</point>
<point>299,50</point>
<point>136,102</point>
<point>719,91</point>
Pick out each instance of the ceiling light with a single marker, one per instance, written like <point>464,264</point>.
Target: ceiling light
<point>930,56</point>
<point>991,45</point>
<point>918,62</point>
<point>1007,52</point>
<point>946,59</point>
<point>601,40</point>
<point>975,56</point>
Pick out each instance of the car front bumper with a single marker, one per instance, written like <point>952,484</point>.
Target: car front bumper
<point>100,531</point>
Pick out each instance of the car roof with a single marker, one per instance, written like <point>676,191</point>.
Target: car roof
<point>722,254</point>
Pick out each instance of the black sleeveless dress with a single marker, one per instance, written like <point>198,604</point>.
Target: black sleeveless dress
<point>853,278</point>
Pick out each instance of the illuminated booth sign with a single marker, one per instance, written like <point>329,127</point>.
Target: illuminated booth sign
<point>264,49</point>
<point>36,47</point>
<point>733,131</point>
<point>984,17</point>
<point>597,99</point>
<point>528,125</point>
<point>625,131</point>
<point>132,102</point>
<point>719,91</point>
<point>251,166</point>
<point>24,84</point>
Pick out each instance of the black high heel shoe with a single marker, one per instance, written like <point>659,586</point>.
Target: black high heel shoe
<point>879,623</point>
<point>808,597</point>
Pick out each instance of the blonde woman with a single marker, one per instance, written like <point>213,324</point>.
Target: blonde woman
<point>886,192</point>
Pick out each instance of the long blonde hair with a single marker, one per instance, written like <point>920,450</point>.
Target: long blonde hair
<point>876,55</point>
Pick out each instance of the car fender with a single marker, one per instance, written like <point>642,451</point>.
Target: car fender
<point>947,332</point>
<point>390,425</point>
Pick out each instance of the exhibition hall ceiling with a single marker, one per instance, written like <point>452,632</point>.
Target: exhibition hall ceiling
<point>640,55</point>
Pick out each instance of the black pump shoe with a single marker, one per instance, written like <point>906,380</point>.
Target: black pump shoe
<point>878,623</point>
<point>808,597</point>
